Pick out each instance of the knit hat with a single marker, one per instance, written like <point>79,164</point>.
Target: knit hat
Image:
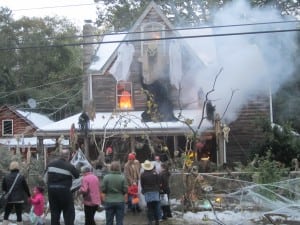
<point>131,156</point>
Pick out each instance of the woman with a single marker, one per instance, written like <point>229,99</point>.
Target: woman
<point>90,190</point>
<point>150,183</point>
<point>16,198</point>
<point>114,187</point>
<point>165,189</point>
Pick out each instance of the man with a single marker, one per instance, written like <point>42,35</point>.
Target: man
<point>157,164</point>
<point>60,173</point>
<point>132,174</point>
<point>132,170</point>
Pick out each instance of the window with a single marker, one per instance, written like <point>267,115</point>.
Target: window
<point>124,95</point>
<point>153,52</point>
<point>152,30</point>
<point>7,127</point>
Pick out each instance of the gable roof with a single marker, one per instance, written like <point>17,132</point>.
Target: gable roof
<point>107,50</point>
<point>18,114</point>
<point>34,120</point>
<point>37,119</point>
<point>155,7</point>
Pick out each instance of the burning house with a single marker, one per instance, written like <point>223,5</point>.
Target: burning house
<point>142,93</point>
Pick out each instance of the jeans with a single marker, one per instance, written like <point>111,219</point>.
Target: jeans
<point>153,212</point>
<point>114,209</point>
<point>61,201</point>
<point>89,212</point>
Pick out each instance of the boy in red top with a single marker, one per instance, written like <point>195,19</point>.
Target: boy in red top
<point>133,199</point>
<point>37,200</point>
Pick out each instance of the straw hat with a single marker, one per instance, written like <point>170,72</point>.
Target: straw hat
<point>14,165</point>
<point>147,165</point>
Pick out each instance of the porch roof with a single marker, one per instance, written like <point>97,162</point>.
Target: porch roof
<point>130,122</point>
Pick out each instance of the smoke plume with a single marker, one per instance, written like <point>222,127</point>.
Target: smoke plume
<point>252,64</point>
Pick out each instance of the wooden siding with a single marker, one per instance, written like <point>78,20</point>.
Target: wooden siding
<point>245,130</point>
<point>104,93</point>
<point>19,123</point>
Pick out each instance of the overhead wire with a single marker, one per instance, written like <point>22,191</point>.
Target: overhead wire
<point>147,39</point>
<point>53,7</point>
<point>6,94</point>
<point>177,29</point>
<point>57,109</point>
<point>66,104</point>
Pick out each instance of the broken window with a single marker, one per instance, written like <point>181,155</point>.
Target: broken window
<point>7,127</point>
<point>124,95</point>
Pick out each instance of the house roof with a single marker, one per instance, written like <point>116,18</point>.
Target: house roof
<point>18,114</point>
<point>107,50</point>
<point>35,120</point>
<point>130,122</point>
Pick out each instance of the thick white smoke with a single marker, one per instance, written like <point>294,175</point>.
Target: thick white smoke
<point>252,64</point>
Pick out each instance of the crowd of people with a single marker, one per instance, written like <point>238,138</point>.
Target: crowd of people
<point>139,186</point>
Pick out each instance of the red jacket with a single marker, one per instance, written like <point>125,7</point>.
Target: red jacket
<point>90,189</point>
<point>38,202</point>
<point>133,190</point>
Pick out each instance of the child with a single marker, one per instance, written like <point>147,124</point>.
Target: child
<point>37,200</point>
<point>133,199</point>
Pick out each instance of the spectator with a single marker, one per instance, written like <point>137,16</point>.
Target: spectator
<point>16,198</point>
<point>150,183</point>
<point>157,164</point>
<point>165,189</point>
<point>114,187</point>
<point>38,204</point>
<point>133,198</point>
<point>90,190</point>
<point>132,169</point>
<point>60,173</point>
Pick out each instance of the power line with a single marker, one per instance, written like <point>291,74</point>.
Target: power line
<point>53,7</point>
<point>39,86</point>
<point>48,99</point>
<point>176,29</point>
<point>149,39</point>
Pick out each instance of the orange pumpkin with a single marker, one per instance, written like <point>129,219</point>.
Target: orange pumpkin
<point>135,200</point>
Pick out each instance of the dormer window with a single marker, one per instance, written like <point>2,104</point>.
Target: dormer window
<point>154,31</point>
<point>124,95</point>
<point>153,52</point>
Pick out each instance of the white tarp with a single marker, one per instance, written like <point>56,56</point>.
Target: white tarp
<point>79,160</point>
<point>120,68</point>
<point>175,63</point>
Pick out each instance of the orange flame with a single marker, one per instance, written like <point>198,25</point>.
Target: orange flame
<point>125,100</point>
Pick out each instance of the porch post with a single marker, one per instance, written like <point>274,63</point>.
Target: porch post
<point>86,147</point>
<point>132,143</point>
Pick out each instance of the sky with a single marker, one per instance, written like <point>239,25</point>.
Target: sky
<point>75,10</point>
